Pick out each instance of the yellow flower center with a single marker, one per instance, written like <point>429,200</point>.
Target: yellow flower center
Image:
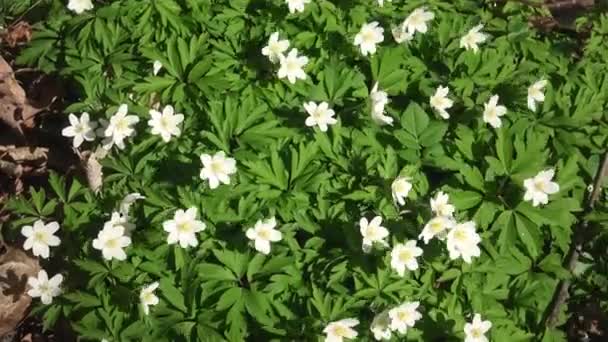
<point>39,236</point>
<point>184,227</point>
<point>539,185</point>
<point>112,243</point>
<point>436,226</point>
<point>264,234</point>
<point>460,235</point>
<point>340,331</point>
<point>405,255</point>
<point>217,167</point>
<point>403,315</point>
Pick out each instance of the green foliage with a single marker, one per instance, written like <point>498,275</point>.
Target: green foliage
<point>318,185</point>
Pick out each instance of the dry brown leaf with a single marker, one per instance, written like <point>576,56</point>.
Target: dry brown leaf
<point>15,268</point>
<point>14,105</point>
<point>17,34</point>
<point>23,161</point>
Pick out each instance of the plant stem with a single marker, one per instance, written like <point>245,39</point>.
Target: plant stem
<point>578,238</point>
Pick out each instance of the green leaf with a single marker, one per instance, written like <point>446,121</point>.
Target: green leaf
<point>173,295</point>
<point>529,234</point>
<point>414,120</point>
<point>214,272</point>
<point>465,199</point>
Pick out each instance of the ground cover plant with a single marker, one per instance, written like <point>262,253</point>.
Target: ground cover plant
<point>314,170</point>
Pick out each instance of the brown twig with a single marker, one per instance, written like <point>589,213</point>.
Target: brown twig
<point>561,294</point>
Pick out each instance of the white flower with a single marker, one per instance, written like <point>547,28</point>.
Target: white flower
<point>535,94</point>
<point>463,241</point>
<point>291,66</point>
<point>40,238</point>
<point>372,232</point>
<point>263,233</point>
<point>441,206</point>
<point>118,128</point>
<point>217,169</point>
<point>401,35</point>
<point>381,2</point>
<point>436,227</point>
<point>381,326</point>
<point>416,21</point>
<point>80,129</point>
<point>440,101</point>
<point>183,228</point>
<point>296,5</point>
<point>119,219</point>
<point>166,123</point>
<point>80,6</point>
<point>320,115</point>
<point>400,189</point>
<point>492,112</point>
<point>368,37</point>
<point>539,187</point>
<point>338,330</point>
<point>45,288</point>
<point>126,202</point>
<point>471,40</point>
<point>404,256</point>
<point>147,297</point>
<point>404,316</point>
<point>156,66</point>
<point>111,241</point>
<point>275,48</point>
<point>379,100</point>
<point>476,330</point>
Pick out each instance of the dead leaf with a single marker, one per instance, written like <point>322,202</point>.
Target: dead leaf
<point>14,105</point>
<point>20,33</point>
<point>23,161</point>
<point>15,268</point>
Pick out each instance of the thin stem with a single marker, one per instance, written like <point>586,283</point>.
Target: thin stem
<point>561,293</point>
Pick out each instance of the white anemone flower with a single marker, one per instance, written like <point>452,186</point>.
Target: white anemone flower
<point>148,298</point>
<point>45,288</point>
<point>372,232</point>
<point>40,237</point>
<point>275,48</point>
<point>404,256</point>
<point>404,316</point>
<point>118,128</point>
<point>319,115</point>
<point>539,187</point>
<point>476,330</point>
<point>296,5</point>
<point>463,241</point>
<point>183,228</point>
<point>437,227</point>
<point>217,169</point>
<point>400,188</point>
<point>339,330</point>
<point>473,38</point>
<point>493,111</point>
<point>111,241</point>
<point>80,6</point>
<point>536,94</point>
<point>417,20</point>
<point>263,234</point>
<point>80,129</point>
<point>368,37</point>
<point>292,66</point>
<point>440,102</point>
<point>165,124</point>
